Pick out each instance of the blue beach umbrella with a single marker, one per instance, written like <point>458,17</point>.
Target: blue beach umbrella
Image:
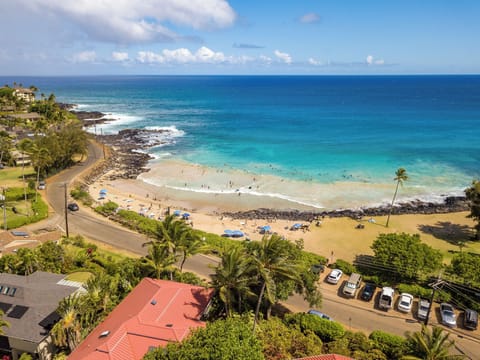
<point>103,191</point>
<point>237,233</point>
<point>177,213</point>
<point>228,233</point>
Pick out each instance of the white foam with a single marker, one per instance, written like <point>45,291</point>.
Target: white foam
<point>172,130</point>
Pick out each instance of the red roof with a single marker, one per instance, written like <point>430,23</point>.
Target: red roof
<point>155,313</point>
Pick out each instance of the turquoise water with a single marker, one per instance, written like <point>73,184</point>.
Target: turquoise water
<point>323,130</point>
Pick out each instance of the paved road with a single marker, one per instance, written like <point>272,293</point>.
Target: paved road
<point>352,313</point>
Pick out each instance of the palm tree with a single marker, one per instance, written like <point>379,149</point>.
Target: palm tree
<point>400,177</point>
<point>190,244</point>
<point>232,278</point>
<point>3,323</point>
<point>40,158</point>
<point>24,145</point>
<point>430,345</point>
<point>160,260</point>
<point>271,259</point>
<point>28,262</point>
<point>67,332</point>
<point>169,234</point>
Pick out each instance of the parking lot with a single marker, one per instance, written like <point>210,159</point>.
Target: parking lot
<point>335,292</point>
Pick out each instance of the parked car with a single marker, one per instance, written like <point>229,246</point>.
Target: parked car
<point>470,319</point>
<point>352,285</point>
<point>405,302</point>
<point>334,276</point>
<point>320,314</point>
<point>423,306</point>
<point>386,298</point>
<point>368,292</point>
<point>448,315</point>
<point>73,207</point>
<point>317,268</point>
<point>41,185</point>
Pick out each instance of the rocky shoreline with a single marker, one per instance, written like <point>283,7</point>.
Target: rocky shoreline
<point>128,158</point>
<point>449,205</point>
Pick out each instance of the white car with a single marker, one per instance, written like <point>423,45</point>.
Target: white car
<point>334,276</point>
<point>405,302</point>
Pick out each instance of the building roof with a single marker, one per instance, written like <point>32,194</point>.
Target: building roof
<point>155,313</point>
<point>29,303</point>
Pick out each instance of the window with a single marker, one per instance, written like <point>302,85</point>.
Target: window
<point>5,290</point>
<point>13,291</point>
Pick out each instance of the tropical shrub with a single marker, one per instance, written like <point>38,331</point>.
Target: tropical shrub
<point>391,345</point>
<point>345,266</point>
<point>325,329</point>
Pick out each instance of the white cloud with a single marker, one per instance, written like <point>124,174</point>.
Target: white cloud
<point>310,18</point>
<point>370,60</point>
<point>286,58</point>
<point>119,56</point>
<point>314,62</point>
<point>84,57</point>
<point>126,21</point>
<point>203,55</point>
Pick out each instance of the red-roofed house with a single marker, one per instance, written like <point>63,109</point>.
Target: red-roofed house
<point>155,313</point>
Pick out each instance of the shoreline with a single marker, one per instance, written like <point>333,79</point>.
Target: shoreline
<point>336,236</point>
<point>129,160</point>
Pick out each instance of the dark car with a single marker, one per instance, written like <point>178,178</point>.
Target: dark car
<point>317,268</point>
<point>470,319</point>
<point>73,207</point>
<point>367,292</point>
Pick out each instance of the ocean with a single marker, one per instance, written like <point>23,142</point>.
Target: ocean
<point>313,141</point>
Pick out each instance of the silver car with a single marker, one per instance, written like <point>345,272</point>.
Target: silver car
<point>448,315</point>
<point>423,306</point>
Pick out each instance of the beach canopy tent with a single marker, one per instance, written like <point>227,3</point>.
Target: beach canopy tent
<point>185,216</point>
<point>228,233</point>
<point>265,229</point>
<point>177,213</point>
<point>296,226</point>
<point>237,233</point>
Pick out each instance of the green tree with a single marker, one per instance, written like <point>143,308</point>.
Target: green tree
<point>3,323</point>
<point>467,267</point>
<point>393,346</point>
<point>400,177</point>
<point>271,259</point>
<point>160,259</point>
<point>229,339</point>
<point>232,278</point>
<point>406,255</point>
<point>325,329</point>
<point>283,342</point>
<point>473,196</point>
<point>27,261</point>
<point>430,345</point>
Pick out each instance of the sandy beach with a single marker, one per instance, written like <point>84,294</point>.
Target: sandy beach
<point>333,237</point>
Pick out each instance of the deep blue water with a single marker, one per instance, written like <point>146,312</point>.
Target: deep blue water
<point>321,129</point>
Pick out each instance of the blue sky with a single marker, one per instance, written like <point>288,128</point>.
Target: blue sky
<point>80,37</point>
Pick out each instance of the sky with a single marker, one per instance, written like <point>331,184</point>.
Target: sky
<point>306,37</point>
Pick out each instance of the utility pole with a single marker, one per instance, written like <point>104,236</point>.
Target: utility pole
<point>66,210</point>
<point>434,286</point>
<point>4,198</point>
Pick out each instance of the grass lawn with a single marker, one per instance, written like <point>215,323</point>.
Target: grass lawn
<point>79,276</point>
<point>12,176</point>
